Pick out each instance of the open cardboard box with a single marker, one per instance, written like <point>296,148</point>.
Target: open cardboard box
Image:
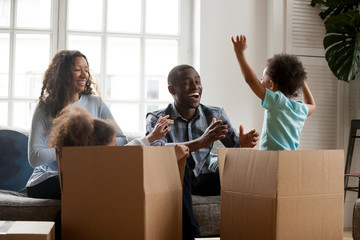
<point>281,195</point>
<point>127,192</point>
<point>27,230</point>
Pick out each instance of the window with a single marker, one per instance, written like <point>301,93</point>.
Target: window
<point>27,31</point>
<point>131,45</point>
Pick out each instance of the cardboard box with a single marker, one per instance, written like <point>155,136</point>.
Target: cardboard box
<point>129,192</point>
<point>27,230</point>
<point>281,195</point>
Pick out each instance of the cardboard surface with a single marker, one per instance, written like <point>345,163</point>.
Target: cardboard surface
<point>281,194</point>
<point>129,192</point>
<point>27,230</point>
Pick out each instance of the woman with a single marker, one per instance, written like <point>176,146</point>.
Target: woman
<point>68,81</point>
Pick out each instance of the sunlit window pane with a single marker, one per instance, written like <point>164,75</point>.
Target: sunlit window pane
<point>89,46</point>
<point>31,60</point>
<point>85,15</point>
<point>154,107</point>
<point>127,116</point>
<point>161,57</point>
<point>5,13</point>
<point>33,13</point>
<point>124,16</point>
<point>23,112</point>
<point>162,16</point>
<point>123,68</point>
<point>4,113</point>
<point>4,64</point>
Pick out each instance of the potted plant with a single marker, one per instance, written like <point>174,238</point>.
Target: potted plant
<point>342,39</point>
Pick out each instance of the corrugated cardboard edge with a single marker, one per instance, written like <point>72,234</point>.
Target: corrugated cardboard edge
<point>221,161</point>
<point>58,161</point>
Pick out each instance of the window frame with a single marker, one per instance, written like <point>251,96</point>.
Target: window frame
<point>10,99</point>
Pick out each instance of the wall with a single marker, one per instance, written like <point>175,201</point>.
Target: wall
<point>221,77</point>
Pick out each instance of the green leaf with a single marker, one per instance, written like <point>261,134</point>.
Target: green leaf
<point>342,45</point>
<point>335,7</point>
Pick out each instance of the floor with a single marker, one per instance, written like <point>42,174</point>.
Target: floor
<point>347,236</point>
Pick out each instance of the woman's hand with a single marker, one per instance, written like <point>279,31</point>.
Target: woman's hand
<point>161,128</point>
<point>181,151</point>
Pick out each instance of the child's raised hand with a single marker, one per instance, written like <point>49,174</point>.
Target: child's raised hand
<point>239,43</point>
<point>159,129</point>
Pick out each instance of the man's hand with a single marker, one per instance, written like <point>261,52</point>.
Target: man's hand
<point>249,139</point>
<point>213,133</point>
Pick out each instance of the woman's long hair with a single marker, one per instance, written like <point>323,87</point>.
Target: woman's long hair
<point>58,84</point>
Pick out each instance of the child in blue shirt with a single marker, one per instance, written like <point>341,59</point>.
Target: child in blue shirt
<point>284,117</point>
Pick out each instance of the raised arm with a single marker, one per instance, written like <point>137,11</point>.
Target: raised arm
<point>308,98</point>
<point>249,75</point>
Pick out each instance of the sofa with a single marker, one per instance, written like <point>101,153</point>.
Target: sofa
<point>16,206</point>
<point>356,220</point>
<point>14,173</point>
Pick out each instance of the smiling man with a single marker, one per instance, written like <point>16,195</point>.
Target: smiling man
<point>198,126</point>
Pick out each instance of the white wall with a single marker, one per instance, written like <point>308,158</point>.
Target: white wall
<point>223,83</point>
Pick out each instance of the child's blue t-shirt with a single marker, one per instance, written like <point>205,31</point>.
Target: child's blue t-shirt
<point>283,121</point>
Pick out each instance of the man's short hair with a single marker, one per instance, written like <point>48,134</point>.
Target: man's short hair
<point>174,73</point>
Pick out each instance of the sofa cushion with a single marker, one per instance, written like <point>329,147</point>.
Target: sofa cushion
<point>207,213</point>
<point>14,167</point>
<point>15,206</point>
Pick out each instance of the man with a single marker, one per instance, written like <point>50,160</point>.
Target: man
<point>198,126</point>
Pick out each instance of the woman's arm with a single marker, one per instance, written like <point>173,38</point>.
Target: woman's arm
<point>38,151</point>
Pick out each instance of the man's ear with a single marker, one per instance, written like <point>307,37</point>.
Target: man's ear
<point>171,90</point>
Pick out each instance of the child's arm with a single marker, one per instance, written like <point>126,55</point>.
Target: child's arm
<point>249,75</point>
<point>308,98</point>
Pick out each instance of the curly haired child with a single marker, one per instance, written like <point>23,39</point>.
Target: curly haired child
<point>74,126</point>
<point>282,78</point>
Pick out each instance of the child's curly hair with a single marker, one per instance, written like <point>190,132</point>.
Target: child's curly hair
<point>75,126</point>
<point>288,72</point>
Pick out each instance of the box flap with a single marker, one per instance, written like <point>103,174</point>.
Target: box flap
<point>311,172</point>
<point>251,172</point>
<point>162,170</point>
<point>58,161</point>
<point>181,166</point>
<point>221,161</point>
<point>163,193</point>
